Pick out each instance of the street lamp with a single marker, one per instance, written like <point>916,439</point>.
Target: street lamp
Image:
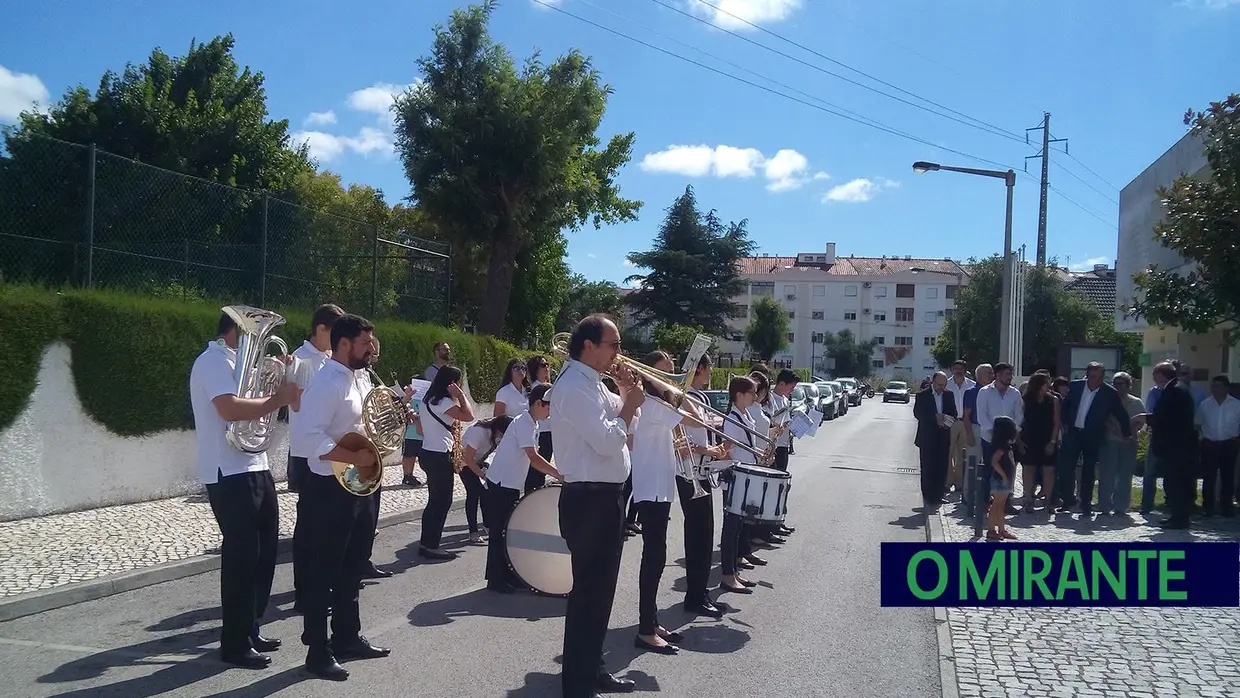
<point>959,282</point>
<point>1009,178</point>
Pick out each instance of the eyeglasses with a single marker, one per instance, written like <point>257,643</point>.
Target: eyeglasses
<point>518,369</point>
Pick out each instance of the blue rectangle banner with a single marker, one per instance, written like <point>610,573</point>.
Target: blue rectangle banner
<point>1061,574</point>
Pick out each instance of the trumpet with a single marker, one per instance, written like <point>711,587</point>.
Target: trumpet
<point>674,389</point>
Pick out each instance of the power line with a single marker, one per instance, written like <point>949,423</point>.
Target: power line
<point>860,120</point>
<point>1086,209</point>
<point>1100,177</point>
<point>1086,183</point>
<point>980,125</point>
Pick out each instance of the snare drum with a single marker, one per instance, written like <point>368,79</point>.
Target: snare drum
<point>537,554</point>
<point>758,494</point>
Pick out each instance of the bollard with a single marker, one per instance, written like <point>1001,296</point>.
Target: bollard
<point>979,497</point>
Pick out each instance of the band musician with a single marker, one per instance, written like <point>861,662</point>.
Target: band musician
<point>591,431</point>
<point>699,513</point>
<point>365,385</point>
<point>338,524</point>
<point>242,493</point>
<point>781,406</point>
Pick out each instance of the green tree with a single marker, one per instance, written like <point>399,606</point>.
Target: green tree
<point>676,340</point>
<point>540,286</point>
<point>767,332</point>
<point>693,269</point>
<point>852,358</point>
<point>495,155</point>
<point>1201,223</point>
<point>585,298</point>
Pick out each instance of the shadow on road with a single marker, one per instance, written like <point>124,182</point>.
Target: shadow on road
<point>481,602</point>
<point>913,522</point>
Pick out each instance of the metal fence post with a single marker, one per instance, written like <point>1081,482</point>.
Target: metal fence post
<point>90,218</point>
<point>447,294</point>
<point>185,269</point>
<point>374,272</point>
<point>262,269</point>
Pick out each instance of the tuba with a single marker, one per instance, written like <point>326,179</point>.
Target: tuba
<point>384,421</point>
<point>257,374</point>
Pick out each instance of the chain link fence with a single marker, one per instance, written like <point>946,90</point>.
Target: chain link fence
<point>74,215</point>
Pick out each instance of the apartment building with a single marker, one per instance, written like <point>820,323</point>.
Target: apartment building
<point>900,301</point>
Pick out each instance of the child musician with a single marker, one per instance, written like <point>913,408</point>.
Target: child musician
<point>742,393</point>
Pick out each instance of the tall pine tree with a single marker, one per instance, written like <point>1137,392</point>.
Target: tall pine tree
<point>693,269</point>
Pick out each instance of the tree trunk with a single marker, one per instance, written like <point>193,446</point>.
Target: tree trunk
<point>500,272</point>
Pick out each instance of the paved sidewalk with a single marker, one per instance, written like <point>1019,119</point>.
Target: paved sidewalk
<point>1070,652</point>
<point>52,551</point>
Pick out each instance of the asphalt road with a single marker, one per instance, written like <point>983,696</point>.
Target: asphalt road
<point>813,627</point>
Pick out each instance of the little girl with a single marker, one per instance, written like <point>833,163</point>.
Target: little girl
<point>1003,463</point>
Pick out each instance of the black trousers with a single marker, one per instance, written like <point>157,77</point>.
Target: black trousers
<point>934,458</point>
<point>1180,481</point>
<point>533,479</point>
<point>592,524</point>
<point>298,470</point>
<point>475,499</point>
<point>732,542</point>
<point>497,505</point>
<point>1076,445</point>
<point>373,500</point>
<point>655,517</point>
<point>248,515</point>
<point>1218,473</point>
<point>630,511</point>
<point>338,526</point>
<point>298,464</point>
<point>699,539</point>
<point>781,458</point>
<point>439,485</point>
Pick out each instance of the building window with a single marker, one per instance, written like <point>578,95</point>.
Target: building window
<point>880,340</point>
<point>932,316</point>
<point>790,291</point>
<point>905,291</point>
<point>762,288</point>
<point>880,317</point>
<point>820,291</point>
<point>904,341</point>
<point>740,312</point>
<point>817,338</point>
<point>904,314</point>
<point>950,292</point>
<point>850,316</point>
<point>932,292</point>
<point>791,337</point>
<point>949,312</point>
<point>877,363</point>
<point>815,315</point>
<point>850,291</point>
<point>880,291</point>
<point>792,314</point>
<point>928,341</point>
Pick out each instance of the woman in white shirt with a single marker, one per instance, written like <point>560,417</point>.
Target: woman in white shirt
<point>655,460</point>
<point>753,535</point>
<point>477,444</point>
<point>512,399</point>
<point>538,372</point>
<point>443,404</point>
<point>742,393</point>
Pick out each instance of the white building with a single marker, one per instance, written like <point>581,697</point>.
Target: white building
<point>1139,211</point>
<point>901,301</point>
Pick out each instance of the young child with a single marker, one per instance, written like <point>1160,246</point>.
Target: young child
<point>1003,463</point>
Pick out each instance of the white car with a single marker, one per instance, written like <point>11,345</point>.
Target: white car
<point>896,391</point>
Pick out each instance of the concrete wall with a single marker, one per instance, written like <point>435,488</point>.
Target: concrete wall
<point>54,458</point>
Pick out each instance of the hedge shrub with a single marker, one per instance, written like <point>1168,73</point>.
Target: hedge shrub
<point>132,354</point>
<point>719,377</point>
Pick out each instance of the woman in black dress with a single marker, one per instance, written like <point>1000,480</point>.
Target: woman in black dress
<point>1039,438</point>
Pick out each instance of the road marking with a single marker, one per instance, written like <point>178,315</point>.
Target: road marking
<point>143,657</point>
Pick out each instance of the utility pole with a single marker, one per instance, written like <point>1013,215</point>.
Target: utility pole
<point>1045,128</point>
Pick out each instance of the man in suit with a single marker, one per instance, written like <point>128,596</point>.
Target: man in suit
<point>1173,443</point>
<point>935,410</point>
<point>1090,403</point>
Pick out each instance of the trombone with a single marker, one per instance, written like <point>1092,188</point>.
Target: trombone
<point>675,387</point>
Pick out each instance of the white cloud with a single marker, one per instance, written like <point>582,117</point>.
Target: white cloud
<point>858,191</point>
<point>733,14</point>
<point>321,118</point>
<point>1088,264</point>
<point>328,146</point>
<point>378,99</point>
<point>784,171</point>
<point>591,255</point>
<point>19,92</point>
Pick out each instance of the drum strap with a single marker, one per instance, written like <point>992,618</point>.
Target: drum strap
<point>741,421</point>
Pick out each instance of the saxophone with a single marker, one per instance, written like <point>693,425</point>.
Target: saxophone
<point>458,451</point>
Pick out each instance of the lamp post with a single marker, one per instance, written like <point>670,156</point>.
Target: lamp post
<point>959,282</point>
<point>1009,178</point>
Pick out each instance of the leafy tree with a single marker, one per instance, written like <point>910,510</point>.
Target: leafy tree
<point>693,264</point>
<point>587,297</point>
<point>767,332</point>
<point>676,340</point>
<point>852,358</point>
<point>540,286</point>
<point>495,155</point>
<point>1202,224</point>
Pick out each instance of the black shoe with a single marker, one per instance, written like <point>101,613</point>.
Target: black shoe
<point>665,649</point>
<point>1174,524</point>
<point>723,586</point>
<point>436,554</point>
<point>322,663</point>
<point>247,659</point>
<point>608,683</point>
<point>755,560</point>
<point>359,648</point>
<point>776,540</point>
<point>744,565</point>
<point>704,608</point>
<point>786,531</point>
<point>375,573</point>
<point>411,481</point>
<point>263,644</point>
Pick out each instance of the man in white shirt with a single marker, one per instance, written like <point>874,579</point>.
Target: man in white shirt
<point>781,415</point>
<point>315,351</point>
<point>958,384</point>
<point>998,398</point>
<point>591,433</point>
<point>337,523</point>
<point>1218,417</point>
<point>242,493</point>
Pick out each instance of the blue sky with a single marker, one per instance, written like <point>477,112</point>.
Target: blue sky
<point>1116,75</point>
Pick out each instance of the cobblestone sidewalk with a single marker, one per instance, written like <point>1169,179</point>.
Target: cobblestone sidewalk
<point>51,551</point>
<point>1070,652</point>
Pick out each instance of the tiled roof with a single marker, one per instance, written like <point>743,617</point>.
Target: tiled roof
<point>1099,290</point>
<point>850,266</point>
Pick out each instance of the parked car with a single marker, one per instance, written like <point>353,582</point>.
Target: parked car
<point>896,391</point>
<point>828,401</point>
<point>802,398</point>
<point>841,396</point>
<point>718,402</point>
<point>853,388</point>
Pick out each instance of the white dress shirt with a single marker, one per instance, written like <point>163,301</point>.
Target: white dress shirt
<point>762,421</point>
<point>515,400</point>
<point>479,437</point>
<point>958,391</point>
<point>698,436</point>
<point>1219,422</point>
<point>510,464</point>
<point>938,400</point>
<point>307,361</point>
<point>434,436</point>
<point>330,408</point>
<point>591,441</point>
<point>653,456</point>
<point>778,403</point>
<point>1082,410</point>
<point>991,403</point>
<point>736,431</point>
<point>211,377</point>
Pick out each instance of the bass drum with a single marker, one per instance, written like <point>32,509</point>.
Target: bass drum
<point>536,552</point>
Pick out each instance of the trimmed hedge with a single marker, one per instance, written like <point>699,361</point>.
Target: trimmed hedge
<point>132,354</point>
<point>719,377</point>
